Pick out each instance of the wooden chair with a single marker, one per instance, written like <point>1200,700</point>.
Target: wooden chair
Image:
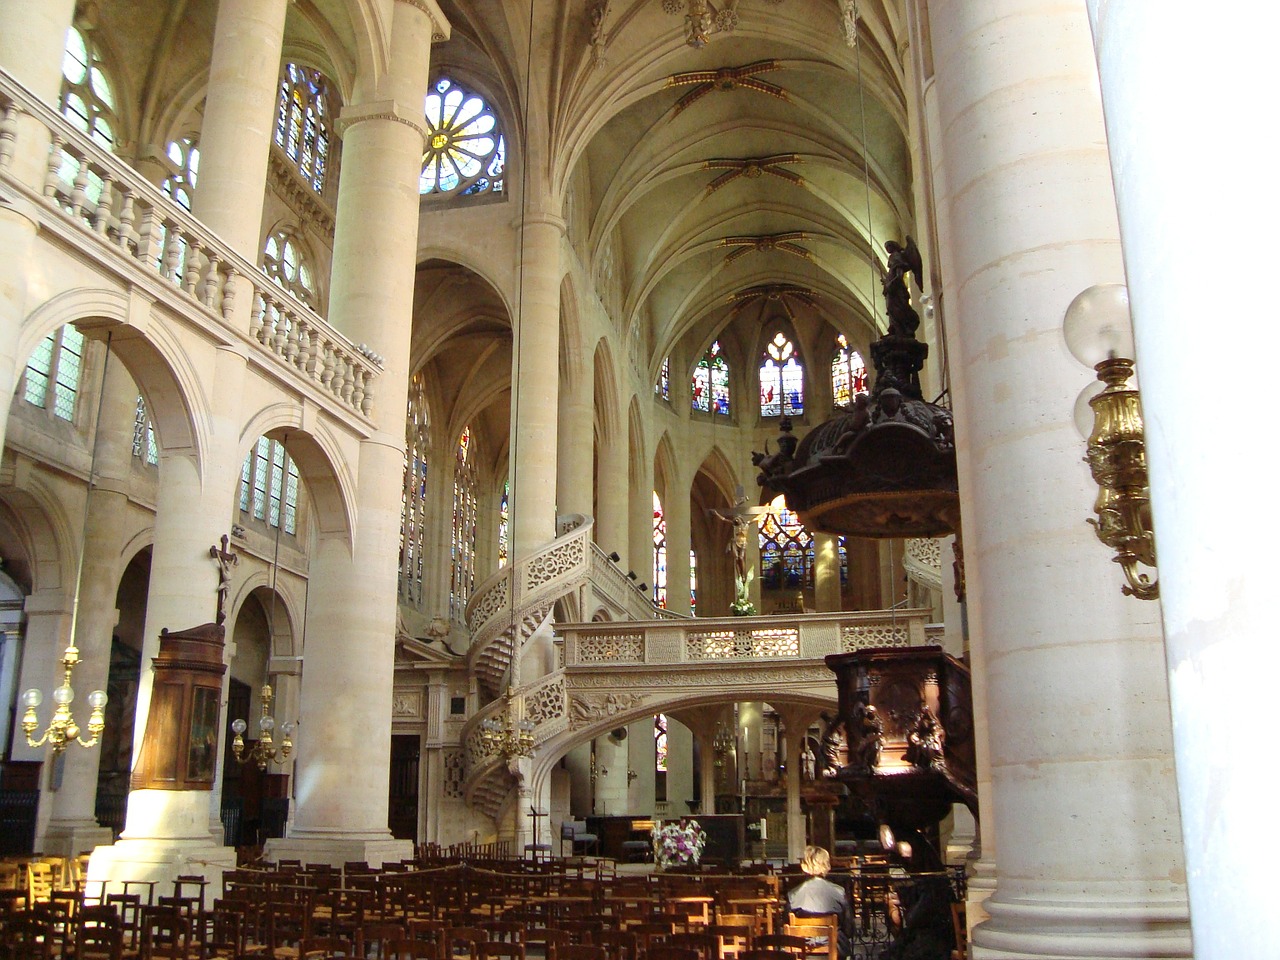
<point>582,951</point>
<point>39,882</point>
<point>707,945</point>
<point>461,941</point>
<point>99,934</point>
<point>166,934</point>
<point>374,937</point>
<point>621,944</point>
<point>821,933</point>
<point>960,925</point>
<point>781,942</point>
<point>409,949</point>
<point>326,948</point>
<point>766,954</point>
<point>129,907</point>
<point>28,936</point>
<point>498,950</point>
<point>287,924</point>
<point>664,951</point>
<point>733,939</point>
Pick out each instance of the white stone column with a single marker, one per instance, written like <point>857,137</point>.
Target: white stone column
<point>575,446</point>
<point>826,575</point>
<point>1090,863</point>
<point>32,41</point>
<point>679,535</point>
<point>72,828</point>
<point>535,378</point>
<point>344,733</point>
<point>614,489</point>
<point>1213,554</point>
<point>239,120</point>
<point>639,555</point>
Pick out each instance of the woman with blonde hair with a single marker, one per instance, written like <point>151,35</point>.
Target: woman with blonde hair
<point>818,895</point>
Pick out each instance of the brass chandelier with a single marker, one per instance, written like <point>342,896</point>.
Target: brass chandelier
<point>63,729</point>
<point>264,751</point>
<point>512,736</point>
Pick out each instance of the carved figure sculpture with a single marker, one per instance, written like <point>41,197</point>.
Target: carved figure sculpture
<point>867,740</point>
<point>924,741</point>
<point>903,319</point>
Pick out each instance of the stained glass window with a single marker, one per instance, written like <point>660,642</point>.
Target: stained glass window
<point>466,153</point>
<point>659,553</point>
<point>660,742</point>
<point>284,263</point>
<point>663,385</point>
<point>504,524</point>
<point>693,580</point>
<point>54,368</point>
<point>711,382</point>
<point>184,157</point>
<point>269,485</point>
<point>413,509</point>
<point>144,435</point>
<point>786,550</point>
<point>87,100</point>
<point>304,122</point>
<point>463,541</point>
<point>848,373</point>
<point>781,379</point>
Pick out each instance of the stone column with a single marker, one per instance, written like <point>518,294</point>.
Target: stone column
<point>1090,863</point>
<point>32,40</point>
<point>575,446</point>
<point>639,555</point>
<point>614,488</point>
<point>239,121</point>
<point>826,574</point>
<point>796,722</point>
<point>534,379</point>
<point>48,616</point>
<point>679,536</point>
<point>73,828</point>
<point>1213,556</point>
<point>344,738</point>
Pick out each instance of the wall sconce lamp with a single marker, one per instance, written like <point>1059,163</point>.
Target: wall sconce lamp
<point>631,574</point>
<point>1098,334</point>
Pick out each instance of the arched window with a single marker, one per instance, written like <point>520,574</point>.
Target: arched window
<point>662,387</point>
<point>144,435</point>
<point>304,122</point>
<point>184,160</point>
<point>659,553</point>
<point>660,756</point>
<point>848,373</point>
<point>786,550</point>
<point>693,581</point>
<point>781,379</point>
<point>466,153</point>
<point>87,100</point>
<point>269,485</point>
<point>711,382</point>
<point>284,263</point>
<point>463,541</point>
<point>54,368</point>
<point>413,510</point>
<point>504,524</point>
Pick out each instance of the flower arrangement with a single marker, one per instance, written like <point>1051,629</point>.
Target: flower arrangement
<point>678,844</point>
<point>742,605</point>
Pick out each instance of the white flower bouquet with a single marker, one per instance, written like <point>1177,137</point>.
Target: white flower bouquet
<point>678,843</point>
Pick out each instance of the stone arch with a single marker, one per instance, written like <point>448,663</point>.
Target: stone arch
<point>258,587</point>
<point>38,535</point>
<point>573,360</point>
<point>608,414</point>
<point>322,466</point>
<point>163,371</point>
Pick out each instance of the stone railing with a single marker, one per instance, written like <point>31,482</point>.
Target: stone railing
<point>700,639</point>
<point>515,601</point>
<point>137,228</point>
<point>614,587</point>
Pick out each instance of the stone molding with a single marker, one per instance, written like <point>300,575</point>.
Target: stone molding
<point>440,27</point>
<point>379,110</point>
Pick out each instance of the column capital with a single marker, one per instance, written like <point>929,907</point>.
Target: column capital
<point>544,218</point>
<point>379,110</point>
<point>440,28</point>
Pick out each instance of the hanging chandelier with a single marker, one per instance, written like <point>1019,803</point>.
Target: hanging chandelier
<point>63,729</point>
<point>264,751</point>
<point>512,736</point>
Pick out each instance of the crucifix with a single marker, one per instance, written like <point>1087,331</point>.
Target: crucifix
<point>226,560</point>
<point>742,517</point>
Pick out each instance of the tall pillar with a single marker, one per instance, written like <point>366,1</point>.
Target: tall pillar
<point>639,555</point>
<point>679,536</point>
<point>1215,594</point>
<point>575,447</point>
<point>1090,863</point>
<point>239,120</point>
<point>826,574</point>
<point>796,722</point>
<point>534,378</point>
<point>32,40</point>
<point>614,491</point>
<point>344,742</point>
<point>72,828</point>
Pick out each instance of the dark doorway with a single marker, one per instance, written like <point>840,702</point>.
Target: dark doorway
<point>402,815</point>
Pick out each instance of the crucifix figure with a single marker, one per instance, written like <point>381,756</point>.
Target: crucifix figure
<point>742,517</point>
<point>226,560</point>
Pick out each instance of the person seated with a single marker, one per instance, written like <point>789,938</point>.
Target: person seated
<point>818,895</point>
